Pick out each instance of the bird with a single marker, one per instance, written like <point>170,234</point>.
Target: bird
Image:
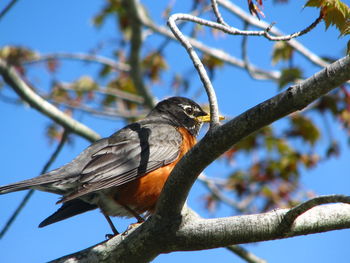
<point>124,174</point>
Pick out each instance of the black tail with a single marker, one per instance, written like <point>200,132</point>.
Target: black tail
<point>68,209</point>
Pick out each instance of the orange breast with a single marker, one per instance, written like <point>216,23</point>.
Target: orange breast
<point>142,194</point>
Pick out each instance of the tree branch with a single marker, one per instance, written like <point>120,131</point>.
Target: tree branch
<point>13,79</point>
<point>220,232</point>
<point>245,254</point>
<point>219,18</point>
<point>297,211</point>
<point>234,31</point>
<point>213,103</point>
<point>134,57</point>
<point>81,57</point>
<point>7,8</point>
<point>143,243</point>
<point>219,54</point>
<point>262,24</point>
<point>107,91</point>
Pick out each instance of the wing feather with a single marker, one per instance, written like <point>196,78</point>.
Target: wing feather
<point>135,153</point>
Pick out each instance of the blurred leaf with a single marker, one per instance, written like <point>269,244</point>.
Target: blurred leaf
<point>289,75</point>
<point>281,51</point>
<point>114,7</point>
<point>212,62</point>
<point>153,64</point>
<point>333,149</point>
<point>237,182</point>
<point>210,203</point>
<point>123,83</point>
<point>105,70</point>
<point>345,117</point>
<point>59,94</point>
<point>309,160</point>
<point>303,128</point>
<point>52,65</point>
<point>252,141</point>
<point>328,102</point>
<point>15,55</point>
<point>180,83</point>
<point>84,85</point>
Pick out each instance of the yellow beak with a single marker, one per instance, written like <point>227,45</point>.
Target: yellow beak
<point>206,118</point>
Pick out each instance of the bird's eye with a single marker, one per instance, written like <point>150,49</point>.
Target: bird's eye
<point>189,111</point>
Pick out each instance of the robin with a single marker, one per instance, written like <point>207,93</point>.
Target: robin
<point>124,174</point>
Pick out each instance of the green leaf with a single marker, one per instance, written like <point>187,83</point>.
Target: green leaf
<point>304,128</point>
<point>289,75</point>
<point>281,51</point>
<point>314,3</point>
<point>334,12</point>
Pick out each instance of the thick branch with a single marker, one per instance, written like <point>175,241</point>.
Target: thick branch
<point>13,79</point>
<point>198,234</point>
<point>212,233</point>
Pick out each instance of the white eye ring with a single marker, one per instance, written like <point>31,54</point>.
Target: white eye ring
<point>189,110</point>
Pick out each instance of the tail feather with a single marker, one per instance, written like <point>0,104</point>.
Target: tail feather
<point>14,187</point>
<point>69,209</point>
<point>67,174</point>
<point>34,183</point>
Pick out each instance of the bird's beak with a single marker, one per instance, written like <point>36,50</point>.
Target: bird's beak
<point>206,118</point>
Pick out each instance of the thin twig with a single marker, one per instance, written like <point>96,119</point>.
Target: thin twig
<point>7,8</point>
<point>108,91</point>
<point>245,254</point>
<point>214,189</point>
<point>214,110</point>
<point>234,31</point>
<point>217,53</point>
<point>29,194</point>
<point>234,9</point>
<point>295,212</point>
<point>217,13</point>
<point>168,39</point>
<point>107,112</point>
<point>252,73</point>
<point>81,57</point>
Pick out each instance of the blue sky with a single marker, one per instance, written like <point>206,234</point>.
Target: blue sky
<point>52,26</point>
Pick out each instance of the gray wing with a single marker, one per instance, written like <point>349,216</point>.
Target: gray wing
<point>130,154</point>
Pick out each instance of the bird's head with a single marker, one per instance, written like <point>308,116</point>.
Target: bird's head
<point>182,112</point>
